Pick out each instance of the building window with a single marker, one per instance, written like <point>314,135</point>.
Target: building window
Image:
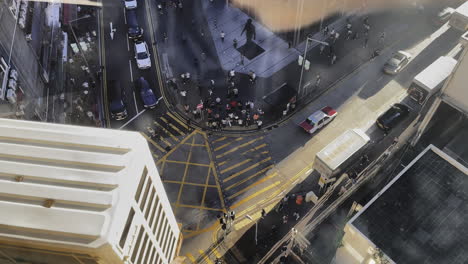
<point>140,185</point>
<point>157,207</point>
<point>149,252</point>
<point>166,240</point>
<point>156,222</point>
<point>145,195</point>
<point>137,244</point>
<point>160,227</point>
<point>143,248</point>
<point>123,238</point>
<point>149,203</point>
<point>152,255</point>
<point>171,251</point>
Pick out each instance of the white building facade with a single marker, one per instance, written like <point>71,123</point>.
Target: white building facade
<point>73,194</point>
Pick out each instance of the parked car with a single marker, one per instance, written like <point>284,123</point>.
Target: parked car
<point>130,4</point>
<point>318,119</point>
<point>397,62</point>
<point>443,16</point>
<point>392,117</point>
<point>147,94</point>
<point>117,106</point>
<point>142,55</point>
<point>134,30</point>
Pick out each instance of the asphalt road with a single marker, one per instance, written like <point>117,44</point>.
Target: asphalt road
<point>120,56</point>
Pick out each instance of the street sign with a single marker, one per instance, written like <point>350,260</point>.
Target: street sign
<point>299,60</point>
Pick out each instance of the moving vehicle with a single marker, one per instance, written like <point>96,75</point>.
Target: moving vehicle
<point>318,119</point>
<point>117,106</point>
<point>130,4</point>
<point>337,155</point>
<point>459,18</point>
<point>147,95</point>
<point>397,62</point>
<point>134,30</point>
<point>392,117</point>
<point>431,79</point>
<point>142,55</point>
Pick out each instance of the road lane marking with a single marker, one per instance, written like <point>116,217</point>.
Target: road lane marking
<point>197,207</point>
<point>134,100</point>
<point>189,163</point>
<point>207,260</point>
<point>191,183</point>
<point>246,169</point>
<point>215,173</point>
<point>125,16</point>
<point>133,118</point>
<point>189,156</point>
<point>131,72</point>
<point>250,177</point>
<point>171,125</point>
<point>128,44</point>
<point>227,144</point>
<point>235,166</point>
<point>177,120</point>
<point>190,256</point>
<point>254,149</point>
<point>217,253</point>
<point>219,139</point>
<point>262,180</point>
<point>166,131</point>
<point>275,184</point>
<point>238,147</point>
<point>204,193</point>
<point>153,143</point>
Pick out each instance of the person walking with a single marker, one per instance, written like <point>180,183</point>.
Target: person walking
<point>333,59</point>
<point>337,35</point>
<point>366,41</point>
<point>317,81</point>
<point>382,38</point>
<point>322,48</point>
<point>296,214</point>
<point>326,30</point>
<point>203,56</point>
<point>222,35</point>
<point>285,219</point>
<point>234,43</point>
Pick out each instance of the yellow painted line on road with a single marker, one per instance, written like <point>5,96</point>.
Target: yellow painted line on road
<point>177,120</point>
<point>246,169</point>
<point>238,147</point>
<point>189,163</point>
<point>235,166</point>
<point>253,185</point>
<point>196,145</point>
<point>153,143</point>
<point>185,174</point>
<point>215,251</point>
<point>155,156</point>
<point>191,257</point>
<point>222,163</point>
<point>201,231</point>
<point>191,183</point>
<point>227,144</point>
<point>197,207</point>
<point>205,257</point>
<point>269,187</point>
<point>255,149</point>
<point>215,173</point>
<point>219,139</point>
<point>172,126</point>
<point>204,193</point>
<point>250,177</point>
<point>166,131</point>
<point>165,141</point>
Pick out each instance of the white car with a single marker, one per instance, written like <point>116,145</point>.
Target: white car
<point>130,4</point>
<point>142,55</point>
<point>397,62</point>
<point>318,119</point>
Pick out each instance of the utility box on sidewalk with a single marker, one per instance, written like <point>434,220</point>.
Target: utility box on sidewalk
<point>459,18</point>
<point>337,155</point>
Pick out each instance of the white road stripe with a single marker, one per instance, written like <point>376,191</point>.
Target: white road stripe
<point>128,45</point>
<point>133,118</point>
<point>134,99</point>
<point>131,72</point>
<point>125,16</point>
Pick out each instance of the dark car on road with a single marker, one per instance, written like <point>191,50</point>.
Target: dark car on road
<point>392,117</point>
<point>147,94</point>
<point>117,106</point>
<point>134,30</point>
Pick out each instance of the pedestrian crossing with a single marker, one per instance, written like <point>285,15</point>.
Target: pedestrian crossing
<point>240,162</point>
<point>164,133</point>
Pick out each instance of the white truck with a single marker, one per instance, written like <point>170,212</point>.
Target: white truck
<point>431,79</point>
<point>337,155</point>
<point>459,18</point>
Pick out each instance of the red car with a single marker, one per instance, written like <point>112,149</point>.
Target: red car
<point>318,119</point>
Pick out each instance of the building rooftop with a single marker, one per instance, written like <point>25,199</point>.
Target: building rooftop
<point>420,216</point>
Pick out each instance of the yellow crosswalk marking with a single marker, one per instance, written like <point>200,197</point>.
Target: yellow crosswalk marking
<point>153,142</point>
<point>216,253</point>
<point>264,179</point>
<point>172,126</point>
<point>190,256</point>
<point>177,120</point>
<point>238,147</point>
<point>166,131</point>
<point>235,165</point>
<point>234,206</point>
<point>219,139</point>
<point>246,169</point>
<point>254,149</point>
<point>207,260</point>
<point>248,178</point>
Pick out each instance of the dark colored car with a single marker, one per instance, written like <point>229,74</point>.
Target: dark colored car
<point>134,30</point>
<point>147,94</point>
<point>117,106</point>
<point>392,117</point>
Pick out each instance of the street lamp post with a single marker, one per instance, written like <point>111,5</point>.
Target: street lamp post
<point>299,89</point>
<point>256,226</point>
